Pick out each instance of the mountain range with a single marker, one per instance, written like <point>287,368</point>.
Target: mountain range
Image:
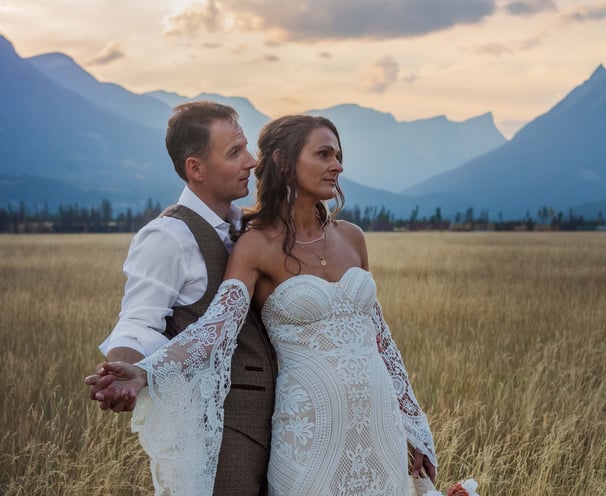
<point>65,137</point>
<point>558,160</point>
<point>50,135</point>
<point>391,155</point>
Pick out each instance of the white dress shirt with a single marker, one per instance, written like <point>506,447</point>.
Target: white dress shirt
<point>164,268</point>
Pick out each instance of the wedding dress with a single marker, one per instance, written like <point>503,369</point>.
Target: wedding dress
<point>344,407</point>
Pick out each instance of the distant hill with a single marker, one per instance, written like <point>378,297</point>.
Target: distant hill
<point>250,118</point>
<point>379,151</point>
<point>48,131</point>
<point>385,153</point>
<point>64,71</point>
<point>592,210</point>
<point>401,206</point>
<point>558,160</point>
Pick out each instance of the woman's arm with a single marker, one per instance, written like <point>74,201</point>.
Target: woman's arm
<point>415,421</point>
<point>196,342</point>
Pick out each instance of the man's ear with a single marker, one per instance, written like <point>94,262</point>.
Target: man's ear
<point>195,169</point>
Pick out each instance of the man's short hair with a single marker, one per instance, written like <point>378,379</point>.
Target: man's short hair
<point>188,131</point>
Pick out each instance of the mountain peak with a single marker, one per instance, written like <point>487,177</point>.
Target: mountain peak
<point>346,112</point>
<point>52,60</point>
<point>485,115</point>
<point>593,86</point>
<point>486,118</point>
<point>599,75</point>
<point>6,46</point>
<point>62,69</point>
<point>435,118</point>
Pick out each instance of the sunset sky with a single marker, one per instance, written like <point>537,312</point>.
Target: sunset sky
<point>412,58</point>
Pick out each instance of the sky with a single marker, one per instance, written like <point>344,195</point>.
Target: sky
<point>412,58</point>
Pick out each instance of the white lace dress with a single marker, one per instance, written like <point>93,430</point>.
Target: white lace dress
<point>344,406</point>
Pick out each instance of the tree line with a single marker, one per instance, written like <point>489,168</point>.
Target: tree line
<point>76,219</point>
<point>102,219</point>
<point>546,218</point>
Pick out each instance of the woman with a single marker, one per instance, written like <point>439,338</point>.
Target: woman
<point>344,407</point>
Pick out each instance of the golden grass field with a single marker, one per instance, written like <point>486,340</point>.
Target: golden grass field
<point>503,334</point>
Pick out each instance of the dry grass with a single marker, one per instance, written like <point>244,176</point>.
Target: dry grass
<point>504,336</point>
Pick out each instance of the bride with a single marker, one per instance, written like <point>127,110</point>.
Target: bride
<point>345,411</point>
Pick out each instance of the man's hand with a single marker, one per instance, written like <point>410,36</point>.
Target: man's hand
<point>108,396</point>
<point>117,385</point>
<point>101,389</point>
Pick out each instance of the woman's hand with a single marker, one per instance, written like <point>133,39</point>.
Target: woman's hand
<point>419,463</point>
<point>117,383</point>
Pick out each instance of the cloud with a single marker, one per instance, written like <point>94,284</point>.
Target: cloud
<point>529,7</point>
<point>271,58</point>
<point>411,78</point>
<point>109,53</point>
<point>495,49</point>
<point>500,49</point>
<point>194,17</point>
<point>380,75</point>
<point>313,20</point>
<point>587,13</point>
<point>325,55</point>
<point>267,58</point>
<point>528,44</point>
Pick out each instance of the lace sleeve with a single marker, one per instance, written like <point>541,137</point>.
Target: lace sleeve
<point>179,417</point>
<point>415,421</point>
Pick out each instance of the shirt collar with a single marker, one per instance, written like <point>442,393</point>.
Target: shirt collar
<point>190,200</point>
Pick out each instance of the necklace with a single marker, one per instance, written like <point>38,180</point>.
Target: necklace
<point>321,258</point>
<point>312,240</point>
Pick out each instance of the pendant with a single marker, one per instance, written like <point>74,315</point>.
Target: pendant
<point>323,262</point>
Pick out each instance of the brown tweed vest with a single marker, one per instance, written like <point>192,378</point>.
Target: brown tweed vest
<point>249,404</point>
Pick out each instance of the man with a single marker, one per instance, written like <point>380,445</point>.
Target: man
<point>174,267</point>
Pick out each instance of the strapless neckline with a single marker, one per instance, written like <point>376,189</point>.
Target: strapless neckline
<point>287,282</point>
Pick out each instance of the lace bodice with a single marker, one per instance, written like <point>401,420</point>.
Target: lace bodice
<point>334,389</point>
<point>344,405</point>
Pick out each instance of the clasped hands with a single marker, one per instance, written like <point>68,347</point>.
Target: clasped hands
<point>116,385</point>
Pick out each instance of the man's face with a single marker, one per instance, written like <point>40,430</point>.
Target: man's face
<point>228,164</point>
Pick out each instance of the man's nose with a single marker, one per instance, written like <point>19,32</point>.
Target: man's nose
<point>251,163</point>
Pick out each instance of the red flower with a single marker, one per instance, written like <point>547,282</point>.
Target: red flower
<point>457,490</point>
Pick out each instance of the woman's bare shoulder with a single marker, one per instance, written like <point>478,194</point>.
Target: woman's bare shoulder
<point>257,242</point>
<point>353,236</point>
<point>265,234</point>
<point>353,232</point>
<point>253,253</point>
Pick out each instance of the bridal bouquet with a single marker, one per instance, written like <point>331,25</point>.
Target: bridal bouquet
<point>424,487</point>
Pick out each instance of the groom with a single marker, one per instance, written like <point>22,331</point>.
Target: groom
<point>174,267</point>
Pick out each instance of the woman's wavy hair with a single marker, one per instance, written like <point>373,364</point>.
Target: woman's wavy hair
<point>280,144</point>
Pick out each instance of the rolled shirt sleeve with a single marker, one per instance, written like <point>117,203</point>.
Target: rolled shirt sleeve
<point>158,278</point>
